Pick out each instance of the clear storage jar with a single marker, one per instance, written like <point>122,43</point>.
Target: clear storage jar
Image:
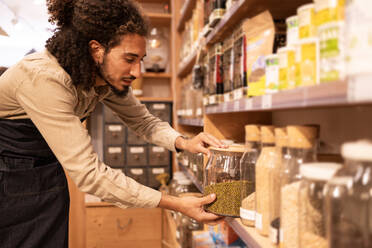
<point>265,164</point>
<point>348,199</point>
<point>247,170</point>
<point>311,203</point>
<point>302,147</point>
<point>222,177</point>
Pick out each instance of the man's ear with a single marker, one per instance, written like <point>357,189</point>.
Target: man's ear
<point>97,51</point>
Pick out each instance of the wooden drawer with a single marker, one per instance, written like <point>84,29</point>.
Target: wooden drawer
<point>158,155</point>
<point>134,139</point>
<point>136,155</point>
<point>114,134</point>
<point>112,227</point>
<point>153,172</point>
<point>160,110</point>
<point>114,156</point>
<point>137,173</point>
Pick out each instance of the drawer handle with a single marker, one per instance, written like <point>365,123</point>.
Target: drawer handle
<point>122,228</point>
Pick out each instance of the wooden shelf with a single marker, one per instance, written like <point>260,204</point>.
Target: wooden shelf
<point>155,99</point>
<point>159,19</point>
<point>340,93</point>
<point>248,234</point>
<point>197,122</point>
<point>98,204</point>
<point>186,65</point>
<point>156,75</point>
<point>186,12</point>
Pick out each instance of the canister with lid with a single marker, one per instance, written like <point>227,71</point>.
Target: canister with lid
<point>306,21</point>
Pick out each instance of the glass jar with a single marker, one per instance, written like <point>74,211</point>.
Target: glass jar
<point>266,162</point>
<point>348,199</point>
<point>302,147</point>
<point>185,185</point>
<point>247,170</point>
<point>281,142</point>
<point>200,167</point>
<point>311,203</point>
<point>174,182</point>
<point>222,177</point>
<point>157,52</point>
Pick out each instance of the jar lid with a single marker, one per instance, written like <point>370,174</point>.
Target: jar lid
<point>227,142</point>
<point>342,181</point>
<point>184,181</point>
<point>232,148</point>
<point>267,134</point>
<point>359,150</point>
<point>281,137</point>
<point>302,136</point>
<point>252,133</point>
<point>319,171</point>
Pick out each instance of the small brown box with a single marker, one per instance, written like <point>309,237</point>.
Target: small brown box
<point>155,171</point>
<point>134,139</point>
<point>114,134</point>
<point>158,155</point>
<point>136,155</point>
<point>160,110</point>
<point>114,156</point>
<point>110,117</point>
<point>137,173</point>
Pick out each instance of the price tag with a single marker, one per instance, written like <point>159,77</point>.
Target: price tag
<point>247,214</point>
<point>136,171</point>
<point>136,150</point>
<point>205,100</point>
<point>115,128</point>
<point>266,101</point>
<point>212,99</point>
<point>199,112</point>
<point>159,106</point>
<point>112,150</point>
<point>158,170</point>
<point>258,222</point>
<point>226,97</point>
<point>238,94</point>
<point>249,104</point>
<point>158,149</point>
<point>274,235</point>
<point>179,112</point>
<point>236,105</point>
<point>224,107</point>
<point>189,112</point>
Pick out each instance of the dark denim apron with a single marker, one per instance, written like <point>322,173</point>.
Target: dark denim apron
<point>34,197</point>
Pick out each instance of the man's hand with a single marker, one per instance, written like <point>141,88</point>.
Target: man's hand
<point>199,143</point>
<point>191,206</point>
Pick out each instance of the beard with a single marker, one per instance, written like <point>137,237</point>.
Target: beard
<point>101,70</point>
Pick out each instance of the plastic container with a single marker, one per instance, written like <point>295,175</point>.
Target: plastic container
<point>348,199</point>
<point>327,11</point>
<point>302,146</point>
<point>247,168</point>
<point>311,203</point>
<point>306,21</point>
<point>272,73</point>
<point>266,163</point>
<point>292,29</point>
<point>222,177</point>
<point>309,61</point>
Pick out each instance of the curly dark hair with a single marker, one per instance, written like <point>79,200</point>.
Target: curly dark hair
<point>80,21</point>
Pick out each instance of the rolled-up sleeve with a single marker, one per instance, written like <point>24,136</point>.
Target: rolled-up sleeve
<point>49,101</point>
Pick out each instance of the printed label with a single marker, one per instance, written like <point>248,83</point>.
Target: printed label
<point>274,235</point>
<point>212,99</point>
<point>247,214</point>
<point>159,106</point>
<point>189,112</point>
<point>158,149</point>
<point>258,222</point>
<point>158,170</point>
<point>238,94</point>
<point>236,105</point>
<point>112,150</point>
<point>136,150</point>
<point>115,128</point>
<point>136,171</point>
<point>226,97</point>
<point>249,104</point>
<point>266,101</point>
<point>199,112</point>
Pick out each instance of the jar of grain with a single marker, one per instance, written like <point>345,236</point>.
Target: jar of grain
<point>310,195</point>
<point>302,142</point>
<point>266,162</point>
<point>222,177</point>
<point>247,170</point>
<point>348,199</point>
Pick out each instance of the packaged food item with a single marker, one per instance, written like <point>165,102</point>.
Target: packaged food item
<point>259,32</point>
<point>215,74</point>
<point>222,177</point>
<point>332,51</point>
<point>272,73</point>
<point>302,147</point>
<point>240,68</point>
<point>311,203</point>
<point>248,168</point>
<point>358,40</point>
<point>287,68</point>
<point>306,21</point>
<point>219,8</point>
<point>228,68</point>
<point>348,198</point>
<point>292,29</point>
<point>309,61</point>
<point>329,11</point>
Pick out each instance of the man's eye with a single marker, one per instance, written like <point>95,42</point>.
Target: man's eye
<point>130,61</point>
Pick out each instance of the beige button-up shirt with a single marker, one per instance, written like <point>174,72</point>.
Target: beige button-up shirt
<point>38,88</point>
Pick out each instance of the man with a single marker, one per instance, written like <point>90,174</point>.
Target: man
<point>93,56</point>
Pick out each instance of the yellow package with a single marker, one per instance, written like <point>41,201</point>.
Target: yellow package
<point>287,68</point>
<point>306,21</point>
<point>309,61</point>
<point>329,11</point>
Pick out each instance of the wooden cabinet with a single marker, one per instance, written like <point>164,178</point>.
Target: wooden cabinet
<point>111,227</point>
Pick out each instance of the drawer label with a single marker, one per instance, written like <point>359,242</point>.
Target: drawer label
<point>159,106</point>
<point>136,150</point>
<point>158,170</point>
<point>136,171</point>
<point>158,149</point>
<point>112,150</point>
<point>115,128</point>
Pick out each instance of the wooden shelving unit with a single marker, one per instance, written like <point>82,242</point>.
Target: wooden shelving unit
<point>161,19</point>
<point>155,99</point>
<point>187,64</point>
<point>185,14</point>
<point>191,122</point>
<point>157,75</point>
